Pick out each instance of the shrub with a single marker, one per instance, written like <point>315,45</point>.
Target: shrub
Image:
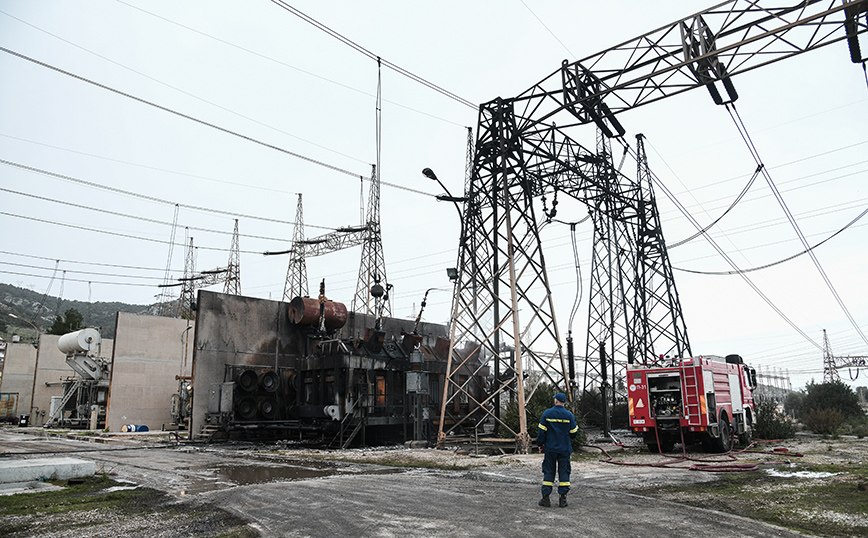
<point>855,426</point>
<point>770,423</point>
<point>823,421</point>
<point>831,395</point>
<point>793,402</point>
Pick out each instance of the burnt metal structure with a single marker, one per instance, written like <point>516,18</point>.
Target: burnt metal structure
<point>503,307</point>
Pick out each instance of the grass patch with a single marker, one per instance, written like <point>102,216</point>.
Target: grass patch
<point>829,507</point>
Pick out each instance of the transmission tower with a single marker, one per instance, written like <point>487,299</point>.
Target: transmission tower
<point>165,300</point>
<point>296,273</point>
<point>372,269</point>
<point>232,285</point>
<point>503,312</point>
<point>188,286</point>
<point>831,363</point>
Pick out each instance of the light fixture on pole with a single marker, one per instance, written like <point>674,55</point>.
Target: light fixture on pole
<point>38,332</point>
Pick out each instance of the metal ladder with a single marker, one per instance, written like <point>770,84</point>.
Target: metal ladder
<point>58,412</point>
<point>692,410</point>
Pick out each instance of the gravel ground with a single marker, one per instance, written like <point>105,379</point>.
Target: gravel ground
<point>626,467</point>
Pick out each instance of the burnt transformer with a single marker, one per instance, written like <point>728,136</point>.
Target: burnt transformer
<point>377,389</point>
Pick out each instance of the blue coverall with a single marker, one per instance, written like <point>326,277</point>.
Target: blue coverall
<point>557,427</point>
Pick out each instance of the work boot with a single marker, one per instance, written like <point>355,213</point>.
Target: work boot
<point>545,501</point>
<point>562,502</point>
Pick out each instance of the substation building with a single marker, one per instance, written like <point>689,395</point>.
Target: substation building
<point>249,368</point>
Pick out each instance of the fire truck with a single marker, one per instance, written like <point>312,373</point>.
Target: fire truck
<point>704,399</point>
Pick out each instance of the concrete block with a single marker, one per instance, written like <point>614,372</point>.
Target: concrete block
<point>45,469</point>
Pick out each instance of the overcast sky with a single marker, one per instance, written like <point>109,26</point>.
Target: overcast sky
<point>91,177</point>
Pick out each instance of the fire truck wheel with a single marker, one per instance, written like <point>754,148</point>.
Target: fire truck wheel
<point>746,438</point>
<point>724,442</point>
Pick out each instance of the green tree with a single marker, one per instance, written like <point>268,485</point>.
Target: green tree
<point>71,321</point>
<point>793,402</point>
<point>835,395</point>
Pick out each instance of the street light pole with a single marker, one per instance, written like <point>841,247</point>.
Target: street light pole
<point>38,332</point>
<point>427,172</point>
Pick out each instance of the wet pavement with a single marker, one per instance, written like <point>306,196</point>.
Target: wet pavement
<point>296,497</point>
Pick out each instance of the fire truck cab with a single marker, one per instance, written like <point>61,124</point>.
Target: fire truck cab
<point>704,399</point>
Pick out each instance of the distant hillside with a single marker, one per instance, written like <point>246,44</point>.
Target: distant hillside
<point>23,303</point>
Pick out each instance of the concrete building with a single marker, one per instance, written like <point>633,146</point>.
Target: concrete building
<point>150,354</point>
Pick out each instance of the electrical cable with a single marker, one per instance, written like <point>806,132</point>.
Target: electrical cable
<point>766,266</point>
<point>718,219</point>
<point>204,123</point>
<point>723,253</point>
<point>561,43</point>
<point>26,266</point>
<point>135,217</point>
<point>284,64</point>
<point>188,94</point>
<point>82,263</point>
<point>131,284</point>
<point>116,234</point>
<point>733,112</point>
<point>373,56</point>
<point>158,169</point>
<point>145,196</point>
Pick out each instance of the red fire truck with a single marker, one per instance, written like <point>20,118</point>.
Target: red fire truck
<point>705,399</point>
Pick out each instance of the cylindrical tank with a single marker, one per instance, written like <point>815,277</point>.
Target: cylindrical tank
<point>305,311</point>
<point>79,341</point>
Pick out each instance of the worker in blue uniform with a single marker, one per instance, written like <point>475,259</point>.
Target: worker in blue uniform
<point>557,427</point>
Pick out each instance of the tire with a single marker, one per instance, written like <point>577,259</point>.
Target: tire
<point>723,443</point>
<point>746,438</point>
<point>667,444</point>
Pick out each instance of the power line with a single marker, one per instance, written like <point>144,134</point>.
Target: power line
<point>733,112</point>
<point>141,196</point>
<point>158,169</point>
<point>117,234</point>
<point>248,118</point>
<point>80,280</point>
<point>205,123</point>
<point>373,56</point>
<point>83,263</point>
<point>80,272</point>
<point>723,253</point>
<point>779,262</point>
<point>284,64</point>
<point>135,217</point>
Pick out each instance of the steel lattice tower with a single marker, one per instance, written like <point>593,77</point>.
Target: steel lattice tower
<point>372,269</point>
<point>296,273</point>
<point>830,370</point>
<point>188,286</point>
<point>232,285</point>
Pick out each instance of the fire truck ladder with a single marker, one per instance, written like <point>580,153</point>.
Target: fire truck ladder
<point>67,394</point>
<point>692,410</point>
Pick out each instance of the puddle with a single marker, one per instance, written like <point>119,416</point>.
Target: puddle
<point>800,474</point>
<point>223,475</point>
<point>259,474</point>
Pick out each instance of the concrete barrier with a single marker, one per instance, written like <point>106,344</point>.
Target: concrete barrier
<point>12,471</point>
